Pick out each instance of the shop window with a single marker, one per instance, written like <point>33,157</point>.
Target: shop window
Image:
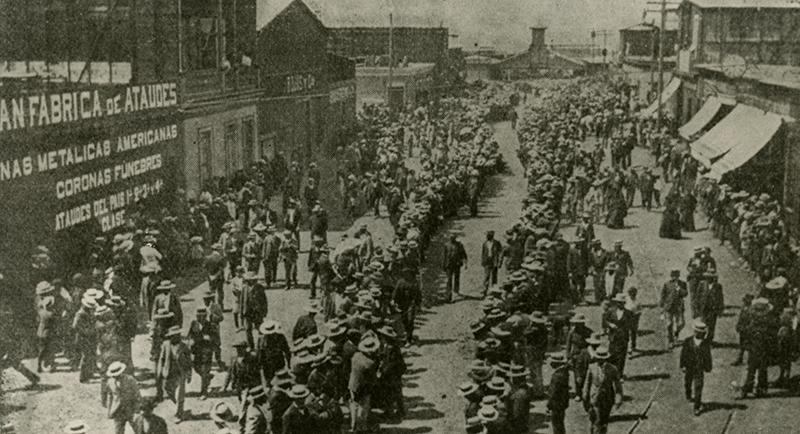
<point>232,160</point>
<point>248,139</point>
<point>204,140</point>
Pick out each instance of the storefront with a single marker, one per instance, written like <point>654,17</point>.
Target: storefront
<point>219,141</point>
<point>75,162</point>
<point>292,115</point>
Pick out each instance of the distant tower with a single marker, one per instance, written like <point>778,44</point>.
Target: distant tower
<point>537,39</point>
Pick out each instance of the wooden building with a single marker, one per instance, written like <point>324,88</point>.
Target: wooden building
<point>742,58</point>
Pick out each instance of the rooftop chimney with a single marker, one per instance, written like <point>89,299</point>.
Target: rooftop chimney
<point>537,39</point>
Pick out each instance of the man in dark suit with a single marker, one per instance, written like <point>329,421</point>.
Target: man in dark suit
<point>558,398</point>
<point>252,304</point>
<point>602,390</point>
<point>624,269</point>
<point>491,260</point>
<point>215,272</point>
<point>306,325</point>
<point>695,361</point>
<point>672,294</point>
<point>577,269</point>
<point>712,302</point>
<point>455,257</point>
<point>618,323</point>
<point>173,370</point>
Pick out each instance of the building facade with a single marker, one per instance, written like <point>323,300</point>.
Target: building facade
<point>746,57</point>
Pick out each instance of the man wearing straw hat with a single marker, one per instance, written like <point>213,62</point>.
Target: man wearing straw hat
<point>602,389</point>
<point>256,415</point>
<point>472,394</point>
<point>363,375</point>
<point>120,396</point>
<point>253,305</point>
<point>519,396</point>
<point>146,422</point>
<point>173,370</point>
<point>85,338</point>
<point>761,333</point>
<point>558,396</point>
<point>165,299</point>
<point>695,361</point>
<point>297,419</point>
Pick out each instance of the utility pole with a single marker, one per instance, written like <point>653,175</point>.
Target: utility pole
<point>391,62</point>
<point>180,39</point>
<point>661,60</point>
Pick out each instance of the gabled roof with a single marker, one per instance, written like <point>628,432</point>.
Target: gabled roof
<point>375,13</point>
<point>268,10</point>
<point>745,4</point>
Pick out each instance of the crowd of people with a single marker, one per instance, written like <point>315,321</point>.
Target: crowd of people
<point>365,296</point>
<point>531,313</point>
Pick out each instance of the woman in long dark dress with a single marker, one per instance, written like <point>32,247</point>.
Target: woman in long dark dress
<point>688,205</point>
<point>671,219</point>
<point>617,210</point>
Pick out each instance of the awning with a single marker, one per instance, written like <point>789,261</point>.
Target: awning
<point>738,127</point>
<point>703,117</point>
<point>667,97</point>
<point>750,140</point>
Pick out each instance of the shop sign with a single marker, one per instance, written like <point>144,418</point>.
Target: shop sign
<point>43,109</point>
<point>86,176</point>
<point>297,83</point>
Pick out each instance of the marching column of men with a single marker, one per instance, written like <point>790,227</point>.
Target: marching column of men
<point>368,296</point>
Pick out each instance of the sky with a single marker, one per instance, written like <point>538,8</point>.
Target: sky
<point>504,24</point>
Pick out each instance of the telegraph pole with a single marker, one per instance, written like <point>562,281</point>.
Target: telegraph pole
<point>661,59</point>
<point>391,61</point>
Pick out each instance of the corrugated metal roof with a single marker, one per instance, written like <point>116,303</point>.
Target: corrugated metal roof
<point>747,4</point>
<point>375,13</point>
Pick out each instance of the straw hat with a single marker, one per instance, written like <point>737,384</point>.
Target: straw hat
<point>699,326</point>
<point>163,313</point>
<point>165,285</point>
<point>579,318</point>
<point>270,327</point>
<point>173,331</point>
<point>299,391</point>
<point>602,353</point>
<point>488,414</point>
<point>369,345</point>
<point>558,359</point>
<point>256,393</point>
<point>467,388</point>
<point>388,332</point>
<point>594,339</point>
<point>115,369</point>
<point>315,341</point>
<point>221,413</point>
<point>44,288</point>
<point>497,384</point>
<point>76,426</point>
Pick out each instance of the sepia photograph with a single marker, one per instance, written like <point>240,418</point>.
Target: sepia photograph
<point>399,216</point>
